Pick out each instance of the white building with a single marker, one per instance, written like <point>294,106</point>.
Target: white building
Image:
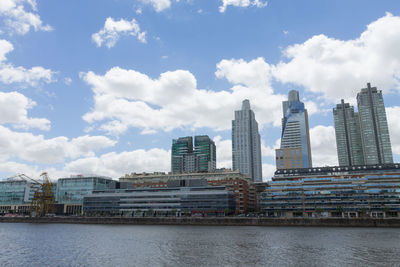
<point>246,148</point>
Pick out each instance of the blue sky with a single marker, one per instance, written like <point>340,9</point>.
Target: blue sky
<point>104,86</point>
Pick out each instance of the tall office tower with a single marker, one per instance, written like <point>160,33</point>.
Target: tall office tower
<point>348,136</point>
<point>205,151</point>
<point>182,148</point>
<point>185,158</point>
<point>246,147</point>
<point>374,127</point>
<point>295,151</point>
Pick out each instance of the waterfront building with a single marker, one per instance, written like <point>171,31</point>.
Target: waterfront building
<point>72,190</point>
<point>16,195</point>
<point>246,147</point>
<point>374,127</point>
<point>295,149</point>
<point>348,136</point>
<point>340,191</point>
<point>193,196</point>
<point>241,186</point>
<point>186,159</point>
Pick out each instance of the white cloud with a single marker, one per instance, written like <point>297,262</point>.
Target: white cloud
<point>393,115</point>
<point>339,69</point>
<point>14,109</point>
<point>323,146</point>
<point>35,148</point>
<point>11,74</point>
<point>68,81</point>
<point>117,164</point>
<point>113,29</point>
<point>268,171</point>
<point>224,152</point>
<point>18,19</point>
<point>158,5</point>
<point>127,98</point>
<point>241,3</point>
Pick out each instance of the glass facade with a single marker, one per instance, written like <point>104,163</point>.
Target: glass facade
<point>73,190</point>
<point>334,191</point>
<point>295,135</point>
<point>160,200</point>
<point>246,146</point>
<point>186,159</point>
<point>16,192</point>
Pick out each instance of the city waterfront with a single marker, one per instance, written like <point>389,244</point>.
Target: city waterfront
<point>135,245</point>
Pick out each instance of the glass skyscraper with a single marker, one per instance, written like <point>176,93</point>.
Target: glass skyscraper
<point>186,158</point>
<point>246,147</point>
<point>348,136</point>
<point>295,150</point>
<point>374,127</point>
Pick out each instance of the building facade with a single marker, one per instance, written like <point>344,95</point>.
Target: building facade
<point>348,136</point>
<point>295,149</point>
<point>246,146</point>
<point>16,196</point>
<point>374,127</point>
<point>350,191</point>
<point>241,186</point>
<point>179,197</point>
<point>72,190</point>
<point>187,159</point>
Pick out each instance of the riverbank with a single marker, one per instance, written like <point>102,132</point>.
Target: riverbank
<point>214,221</point>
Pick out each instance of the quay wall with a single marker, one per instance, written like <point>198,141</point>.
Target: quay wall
<point>214,221</point>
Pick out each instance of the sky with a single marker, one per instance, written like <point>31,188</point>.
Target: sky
<point>103,86</point>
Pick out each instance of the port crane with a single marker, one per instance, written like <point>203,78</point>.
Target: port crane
<point>43,200</point>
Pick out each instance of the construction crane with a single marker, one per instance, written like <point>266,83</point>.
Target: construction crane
<point>43,200</point>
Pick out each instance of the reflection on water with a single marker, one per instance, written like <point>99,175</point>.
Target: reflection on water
<point>117,245</point>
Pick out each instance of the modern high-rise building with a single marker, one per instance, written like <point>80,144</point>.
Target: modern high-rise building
<point>186,159</point>
<point>205,152</point>
<point>348,136</point>
<point>246,146</point>
<point>295,150</point>
<point>374,127</point>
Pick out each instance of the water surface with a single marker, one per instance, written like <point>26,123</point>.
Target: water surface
<point>132,245</point>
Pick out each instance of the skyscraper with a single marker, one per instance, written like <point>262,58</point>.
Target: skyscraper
<point>295,150</point>
<point>205,153</point>
<point>246,147</point>
<point>374,127</point>
<point>348,136</point>
<point>185,158</point>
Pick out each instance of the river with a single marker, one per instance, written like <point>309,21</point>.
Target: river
<point>133,245</point>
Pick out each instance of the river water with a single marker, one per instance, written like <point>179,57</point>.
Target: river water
<point>132,245</point>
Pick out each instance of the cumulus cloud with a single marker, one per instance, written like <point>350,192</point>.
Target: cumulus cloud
<point>117,164</point>
<point>18,19</point>
<point>35,148</point>
<point>241,3</point>
<point>10,74</point>
<point>158,5</point>
<point>393,115</point>
<point>323,146</point>
<point>268,171</point>
<point>113,29</point>
<point>127,98</point>
<point>224,152</point>
<point>338,69</point>
<point>14,109</point>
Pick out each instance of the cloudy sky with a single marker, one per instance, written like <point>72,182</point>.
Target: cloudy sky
<point>103,86</point>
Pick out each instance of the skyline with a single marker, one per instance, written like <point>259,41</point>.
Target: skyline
<point>106,93</point>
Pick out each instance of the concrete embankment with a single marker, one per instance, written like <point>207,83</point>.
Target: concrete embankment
<point>222,221</point>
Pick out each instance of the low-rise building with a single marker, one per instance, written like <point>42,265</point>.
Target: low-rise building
<point>240,185</point>
<point>72,190</point>
<point>16,196</point>
<point>178,197</point>
<point>353,191</point>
